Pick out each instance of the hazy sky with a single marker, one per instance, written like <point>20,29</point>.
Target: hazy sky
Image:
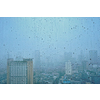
<point>51,35</point>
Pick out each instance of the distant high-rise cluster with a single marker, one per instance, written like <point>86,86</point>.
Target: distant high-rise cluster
<point>20,72</point>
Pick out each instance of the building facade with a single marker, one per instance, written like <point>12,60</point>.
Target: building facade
<point>68,68</point>
<point>20,72</point>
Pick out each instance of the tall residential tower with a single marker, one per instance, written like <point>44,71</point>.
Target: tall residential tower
<point>20,72</point>
<point>68,68</point>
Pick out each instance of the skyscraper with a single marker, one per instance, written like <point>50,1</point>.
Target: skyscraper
<point>37,59</point>
<point>68,68</point>
<point>93,56</point>
<point>20,72</point>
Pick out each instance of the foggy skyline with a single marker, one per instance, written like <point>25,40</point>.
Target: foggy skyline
<point>50,35</point>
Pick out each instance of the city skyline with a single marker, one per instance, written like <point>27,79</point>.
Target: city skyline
<point>63,50</point>
<point>50,36</point>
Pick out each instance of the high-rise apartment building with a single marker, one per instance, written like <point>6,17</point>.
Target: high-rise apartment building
<point>68,68</point>
<point>93,56</point>
<point>37,59</point>
<point>20,72</point>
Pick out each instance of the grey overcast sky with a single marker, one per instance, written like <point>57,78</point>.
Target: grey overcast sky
<point>51,35</point>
